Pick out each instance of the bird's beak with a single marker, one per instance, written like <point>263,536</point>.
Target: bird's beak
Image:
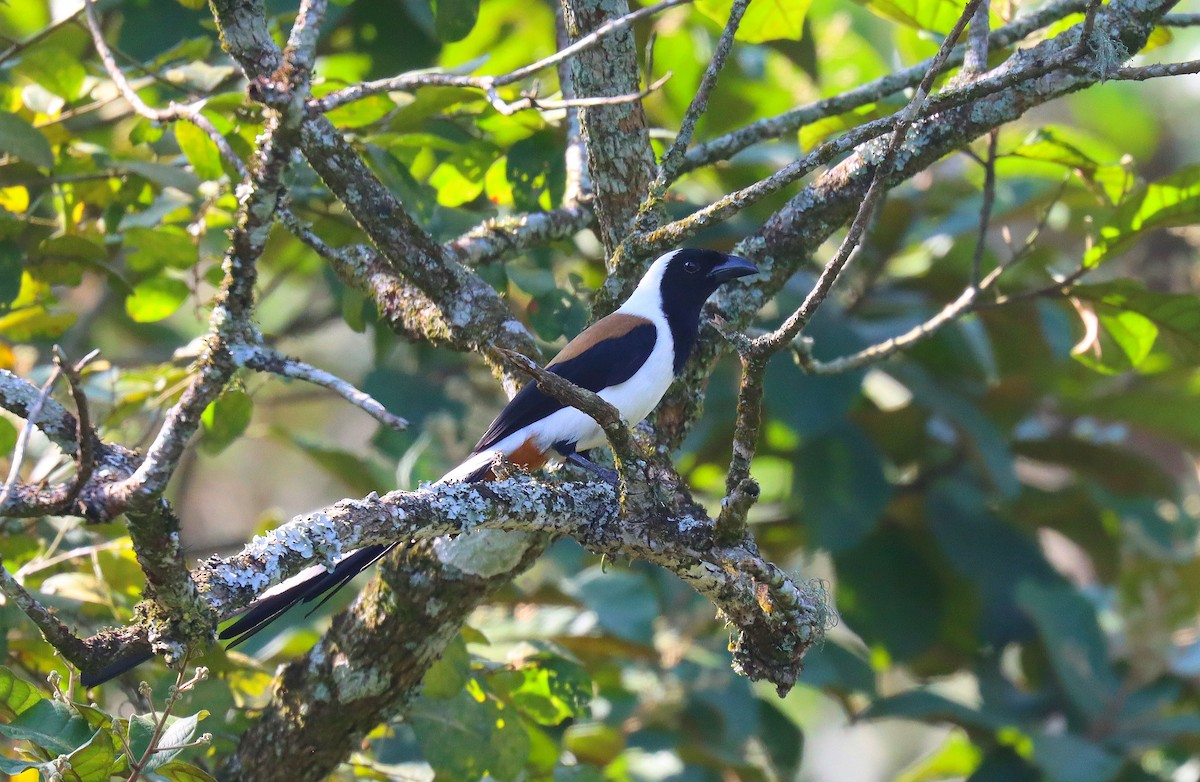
<point>731,268</point>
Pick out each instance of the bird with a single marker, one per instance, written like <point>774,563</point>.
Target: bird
<point>629,358</point>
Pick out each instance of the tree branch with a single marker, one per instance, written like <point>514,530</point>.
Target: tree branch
<point>264,359</point>
<point>617,139</point>
<point>790,122</point>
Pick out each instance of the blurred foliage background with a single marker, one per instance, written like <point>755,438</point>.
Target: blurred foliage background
<point>1005,516</point>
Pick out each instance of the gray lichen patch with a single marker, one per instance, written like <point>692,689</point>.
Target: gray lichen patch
<point>485,553</point>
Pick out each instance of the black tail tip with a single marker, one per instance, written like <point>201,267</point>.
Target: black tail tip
<point>115,668</point>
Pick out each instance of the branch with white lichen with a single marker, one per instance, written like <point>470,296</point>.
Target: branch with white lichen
<point>775,618</point>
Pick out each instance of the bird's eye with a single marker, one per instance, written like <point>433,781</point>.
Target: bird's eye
<point>691,267</point>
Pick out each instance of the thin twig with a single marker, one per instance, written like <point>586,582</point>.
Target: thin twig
<point>985,210</point>
<point>1143,72</point>
<point>625,448</point>
<point>85,458</point>
<point>263,359</point>
<point>793,325</point>
<point>410,81</point>
<point>731,523</point>
<point>531,101</point>
<point>57,633</point>
<point>1089,24</point>
<point>175,111</point>
<point>966,301</point>
<point>674,233</point>
<point>725,146</point>
<point>671,159</point>
<point>975,59</point>
<point>1180,20</point>
<point>18,457</point>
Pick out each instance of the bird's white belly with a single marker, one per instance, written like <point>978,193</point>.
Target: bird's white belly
<point>634,399</point>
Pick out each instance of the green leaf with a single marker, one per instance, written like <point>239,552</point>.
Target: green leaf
<point>179,771</point>
<point>1172,201</point>
<point>24,142</point>
<point>28,323</point>
<point>179,731</point>
<point>547,688</point>
<point>764,20</point>
<point>936,16</point>
<point>1067,624</point>
<point>536,171</point>
<point>1132,335</point>
<point>155,299</point>
<point>1054,145</point>
<point>1140,320</point>
<point>16,695</point>
<point>362,112</point>
<point>446,677</point>
<point>967,417</point>
<point>360,473</point>
<point>834,667</point>
<point>1068,758</point>
<point>556,314</point>
<point>225,419</point>
<point>162,175</point>
<point>956,758</point>
<point>1003,764</point>
<point>8,441</point>
<point>61,260</point>
<point>153,249</point>
<point>926,706</point>
<point>889,593</point>
<point>12,766</point>
<point>56,70</point>
<point>141,733</point>
<point>50,724</point>
<point>470,735</point>
<point>453,20</point>
<point>10,272</point>
<point>594,743</point>
<point>988,552</point>
<point>459,178</point>
<point>623,604</point>
<point>841,487</point>
<point>93,762</point>
<point>200,150</point>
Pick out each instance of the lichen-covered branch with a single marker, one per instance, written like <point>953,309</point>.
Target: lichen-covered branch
<point>620,160</point>
<point>504,236</point>
<point>1029,78</point>
<point>725,146</point>
<point>741,491</point>
<point>172,611</point>
<point>588,512</point>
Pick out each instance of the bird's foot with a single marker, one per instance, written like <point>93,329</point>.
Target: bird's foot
<point>605,474</point>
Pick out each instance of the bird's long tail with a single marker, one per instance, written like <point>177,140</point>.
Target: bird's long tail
<point>304,587</point>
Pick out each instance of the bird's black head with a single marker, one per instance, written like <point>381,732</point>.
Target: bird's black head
<point>689,278</point>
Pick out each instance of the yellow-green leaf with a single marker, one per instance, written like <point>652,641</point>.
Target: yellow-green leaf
<point>1168,202</point>
<point>155,299</point>
<point>24,142</point>
<point>200,150</point>
<point>765,20</point>
<point>225,420</point>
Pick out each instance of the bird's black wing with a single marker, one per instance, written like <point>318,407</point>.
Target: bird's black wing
<point>609,362</point>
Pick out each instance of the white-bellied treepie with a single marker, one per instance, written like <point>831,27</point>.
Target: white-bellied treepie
<point>628,358</point>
